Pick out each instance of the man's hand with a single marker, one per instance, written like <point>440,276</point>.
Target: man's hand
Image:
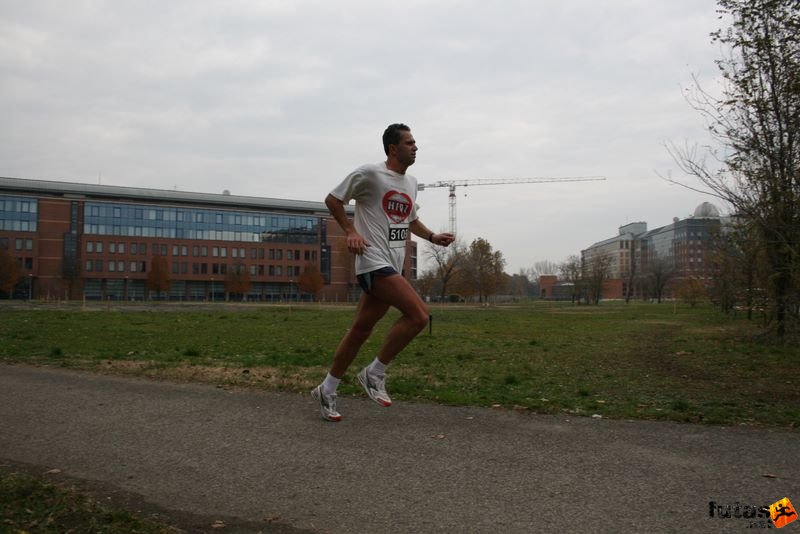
<point>442,239</point>
<point>355,243</point>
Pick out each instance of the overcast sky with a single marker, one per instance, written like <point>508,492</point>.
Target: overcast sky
<point>283,98</point>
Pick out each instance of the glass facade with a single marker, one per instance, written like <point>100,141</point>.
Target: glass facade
<point>18,214</point>
<point>122,219</point>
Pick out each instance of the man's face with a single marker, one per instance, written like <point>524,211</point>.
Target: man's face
<point>406,150</point>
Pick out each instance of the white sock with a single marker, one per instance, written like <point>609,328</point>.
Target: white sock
<point>330,384</point>
<point>377,367</point>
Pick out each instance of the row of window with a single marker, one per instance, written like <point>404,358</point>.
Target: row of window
<point>160,249</point>
<point>207,224</point>
<point>10,204</point>
<point>98,266</point>
<point>19,243</point>
<point>16,225</point>
<point>18,214</point>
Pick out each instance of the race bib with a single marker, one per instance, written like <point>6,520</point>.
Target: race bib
<point>398,233</point>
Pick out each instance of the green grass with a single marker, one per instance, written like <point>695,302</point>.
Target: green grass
<point>641,361</point>
<point>28,504</point>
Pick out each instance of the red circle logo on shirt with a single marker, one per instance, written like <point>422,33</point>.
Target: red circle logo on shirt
<point>397,206</point>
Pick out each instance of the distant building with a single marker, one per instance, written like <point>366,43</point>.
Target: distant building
<point>682,249</point>
<point>551,289</point>
<point>99,242</point>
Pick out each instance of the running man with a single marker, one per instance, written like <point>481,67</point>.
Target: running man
<point>385,211</point>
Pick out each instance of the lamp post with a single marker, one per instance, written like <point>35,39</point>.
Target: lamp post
<point>212,289</point>
<point>126,289</point>
<point>30,286</point>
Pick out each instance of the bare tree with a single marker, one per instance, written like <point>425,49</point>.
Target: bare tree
<point>633,271</point>
<point>659,272</point>
<point>570,272</point>
<point>596,271</point>
<point>757,121</point>
<point>445,261</point>
<point>541,268</point>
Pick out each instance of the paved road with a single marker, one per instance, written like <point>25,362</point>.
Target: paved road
<point>267,461</point>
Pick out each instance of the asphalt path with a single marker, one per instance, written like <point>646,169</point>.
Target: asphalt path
<point>265,461</point>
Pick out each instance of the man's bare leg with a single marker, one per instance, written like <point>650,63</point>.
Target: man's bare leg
<point>370,310</point>
<point>396,291</point>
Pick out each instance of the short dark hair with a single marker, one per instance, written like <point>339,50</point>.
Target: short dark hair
<point>392,135</point>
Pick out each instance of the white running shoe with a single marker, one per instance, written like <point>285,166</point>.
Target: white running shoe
<point>375,386</point>
<point>327,404</point>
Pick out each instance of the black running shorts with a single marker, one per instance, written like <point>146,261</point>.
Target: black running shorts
<point>366,280</point>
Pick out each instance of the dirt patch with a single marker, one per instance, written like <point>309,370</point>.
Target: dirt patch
<point>271,378</point>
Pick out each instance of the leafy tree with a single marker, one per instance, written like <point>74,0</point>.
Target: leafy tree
<point>691,291</point>
<point>9,272</point>
<point>482,269</point>
<point>158,278</point>
<point>520,285</point>
<point>237,282</point>
<point>311,280</point>
<point>757,122</point>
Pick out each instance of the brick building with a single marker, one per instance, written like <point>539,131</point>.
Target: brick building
<point>100,242</point>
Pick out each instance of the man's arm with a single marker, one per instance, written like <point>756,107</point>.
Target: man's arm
<point>355,243</point>
<point>420,230</point>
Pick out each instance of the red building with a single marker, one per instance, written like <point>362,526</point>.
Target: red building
<point>101,242</point>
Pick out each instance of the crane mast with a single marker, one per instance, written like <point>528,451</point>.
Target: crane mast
<point>452,184</point>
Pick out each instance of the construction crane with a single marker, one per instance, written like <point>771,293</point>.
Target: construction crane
<point>452,184</point>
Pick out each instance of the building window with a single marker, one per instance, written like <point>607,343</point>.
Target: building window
<point>89,246</point>
<point>89,265</point>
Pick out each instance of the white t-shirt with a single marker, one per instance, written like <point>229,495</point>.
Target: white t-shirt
<point>385,206</point>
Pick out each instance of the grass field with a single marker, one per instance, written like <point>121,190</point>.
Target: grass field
<point>638,361</point>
